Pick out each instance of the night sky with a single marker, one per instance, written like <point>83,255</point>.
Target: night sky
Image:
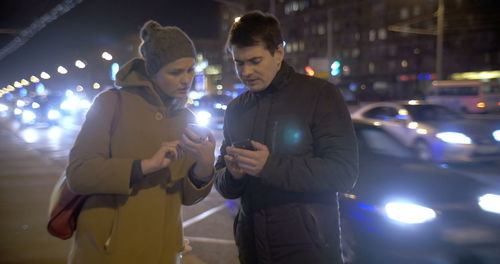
<point>95,23</point>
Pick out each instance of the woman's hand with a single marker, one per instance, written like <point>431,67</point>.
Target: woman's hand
<point>169,151</point>
<point>202,150</point>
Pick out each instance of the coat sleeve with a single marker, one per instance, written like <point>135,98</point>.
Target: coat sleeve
<point>192,194</point>
<point>334,164</point>
<point>225,184</point>
<point>90,169</point>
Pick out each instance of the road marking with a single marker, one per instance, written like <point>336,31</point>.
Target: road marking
<point>210,240</point>
<point>202,216</point>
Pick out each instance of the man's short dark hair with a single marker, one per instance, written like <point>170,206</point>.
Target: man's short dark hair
<point>253,28</point>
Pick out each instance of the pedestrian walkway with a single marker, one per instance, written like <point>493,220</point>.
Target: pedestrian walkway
<point>26,180</point>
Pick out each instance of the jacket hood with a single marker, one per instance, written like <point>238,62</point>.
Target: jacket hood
<point>133,73</point>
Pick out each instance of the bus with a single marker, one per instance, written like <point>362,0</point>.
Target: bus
<point>465,96</point>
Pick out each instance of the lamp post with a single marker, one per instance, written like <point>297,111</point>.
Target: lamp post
<point>439,44</point>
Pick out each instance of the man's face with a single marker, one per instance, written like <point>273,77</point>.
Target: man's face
<point>256,66</point>
<point>175,78</point>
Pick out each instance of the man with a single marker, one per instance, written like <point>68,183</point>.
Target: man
<point>302,152</point>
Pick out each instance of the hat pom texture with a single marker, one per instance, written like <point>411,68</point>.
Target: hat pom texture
<point>162,45</point>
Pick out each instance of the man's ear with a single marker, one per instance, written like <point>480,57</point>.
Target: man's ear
<point>279,54</point>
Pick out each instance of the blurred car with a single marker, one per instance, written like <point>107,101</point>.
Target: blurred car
<point>210,110</point>
<point>435,132</point>
<point>406,211</point>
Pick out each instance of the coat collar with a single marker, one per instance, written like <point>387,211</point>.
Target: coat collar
<point>279,80</point>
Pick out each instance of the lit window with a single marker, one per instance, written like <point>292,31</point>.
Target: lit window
<point>355,52</point>
<point>372,35</point>
<point>371,67</point>
<point>404,13</point>
<point>302,45</point>
<point>417,10</point>
<point>382,33</point>
<point>321,29</point>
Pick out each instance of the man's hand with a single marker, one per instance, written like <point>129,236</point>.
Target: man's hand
<point>168,152</point>
<point>232,165</point>
<point>249,161</point>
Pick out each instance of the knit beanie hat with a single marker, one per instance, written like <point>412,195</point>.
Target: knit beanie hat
<point>162,45</point>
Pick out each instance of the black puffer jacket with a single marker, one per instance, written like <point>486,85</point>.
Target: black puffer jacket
<point>292,205</point>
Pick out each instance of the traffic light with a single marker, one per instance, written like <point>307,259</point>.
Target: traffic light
<point>335,68</point>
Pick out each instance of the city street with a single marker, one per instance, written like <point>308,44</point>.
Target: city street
<point>32,160</point>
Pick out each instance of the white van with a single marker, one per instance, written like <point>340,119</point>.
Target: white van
<point>465,96</point>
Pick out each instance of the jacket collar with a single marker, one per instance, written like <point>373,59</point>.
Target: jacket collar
<point>279,80</point>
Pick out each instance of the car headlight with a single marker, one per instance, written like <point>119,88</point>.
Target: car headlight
<point>3,108</point>
<point>28,116</point>
<point>454,138</point>
<point>409,213</point>
<point>53,114</point>
<point>490,203</point>
<point>496,135</point>
<point>203,118</point>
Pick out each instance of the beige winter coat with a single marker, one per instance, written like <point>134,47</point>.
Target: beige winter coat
<point>120,223</point>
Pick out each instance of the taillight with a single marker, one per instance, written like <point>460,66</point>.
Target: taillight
<point>481,105</point>
<point>498,103</point>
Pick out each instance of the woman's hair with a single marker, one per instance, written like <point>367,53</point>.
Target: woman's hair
<point>253,28</point>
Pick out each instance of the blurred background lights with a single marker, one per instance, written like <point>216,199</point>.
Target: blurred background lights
<point>40,89</point>
<point>23,92</point>
<point>34,79</point>
<point>79,88</point>
<point>44,75</point>
<point>25,82</point>
<point>96,86</point>
<point>105,55</point>
<point>309,71</point>
<point>62,70</point>
<point>80,64</point>
<point>17,84</point>
<point>115,67</point>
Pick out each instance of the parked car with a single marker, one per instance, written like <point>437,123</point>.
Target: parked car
<point>404,211</point>
<point>435,132</point>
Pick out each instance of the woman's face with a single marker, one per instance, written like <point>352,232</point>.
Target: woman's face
<point>175,78</point>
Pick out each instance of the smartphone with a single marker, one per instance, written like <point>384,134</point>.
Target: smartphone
<point>200,131</point>
<point>243,144</point>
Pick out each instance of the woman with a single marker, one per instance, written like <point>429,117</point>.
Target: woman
<point>139,176</point>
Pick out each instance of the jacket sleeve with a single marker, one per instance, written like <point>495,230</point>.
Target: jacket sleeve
<point>334,163</point>
<point>225,184</point>
<point>191,193</point>
<point>90,169</point>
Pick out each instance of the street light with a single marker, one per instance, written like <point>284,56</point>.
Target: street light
<point>439,48</point>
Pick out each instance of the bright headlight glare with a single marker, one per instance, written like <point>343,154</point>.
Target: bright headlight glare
<point>203,118</point>
<point>3,108</point>
<point>454,138</point>
<point>496,135</point>
<point>28,116</point>
<point>409,213</point>
<point>53,114</point>
<point>490,203</point>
